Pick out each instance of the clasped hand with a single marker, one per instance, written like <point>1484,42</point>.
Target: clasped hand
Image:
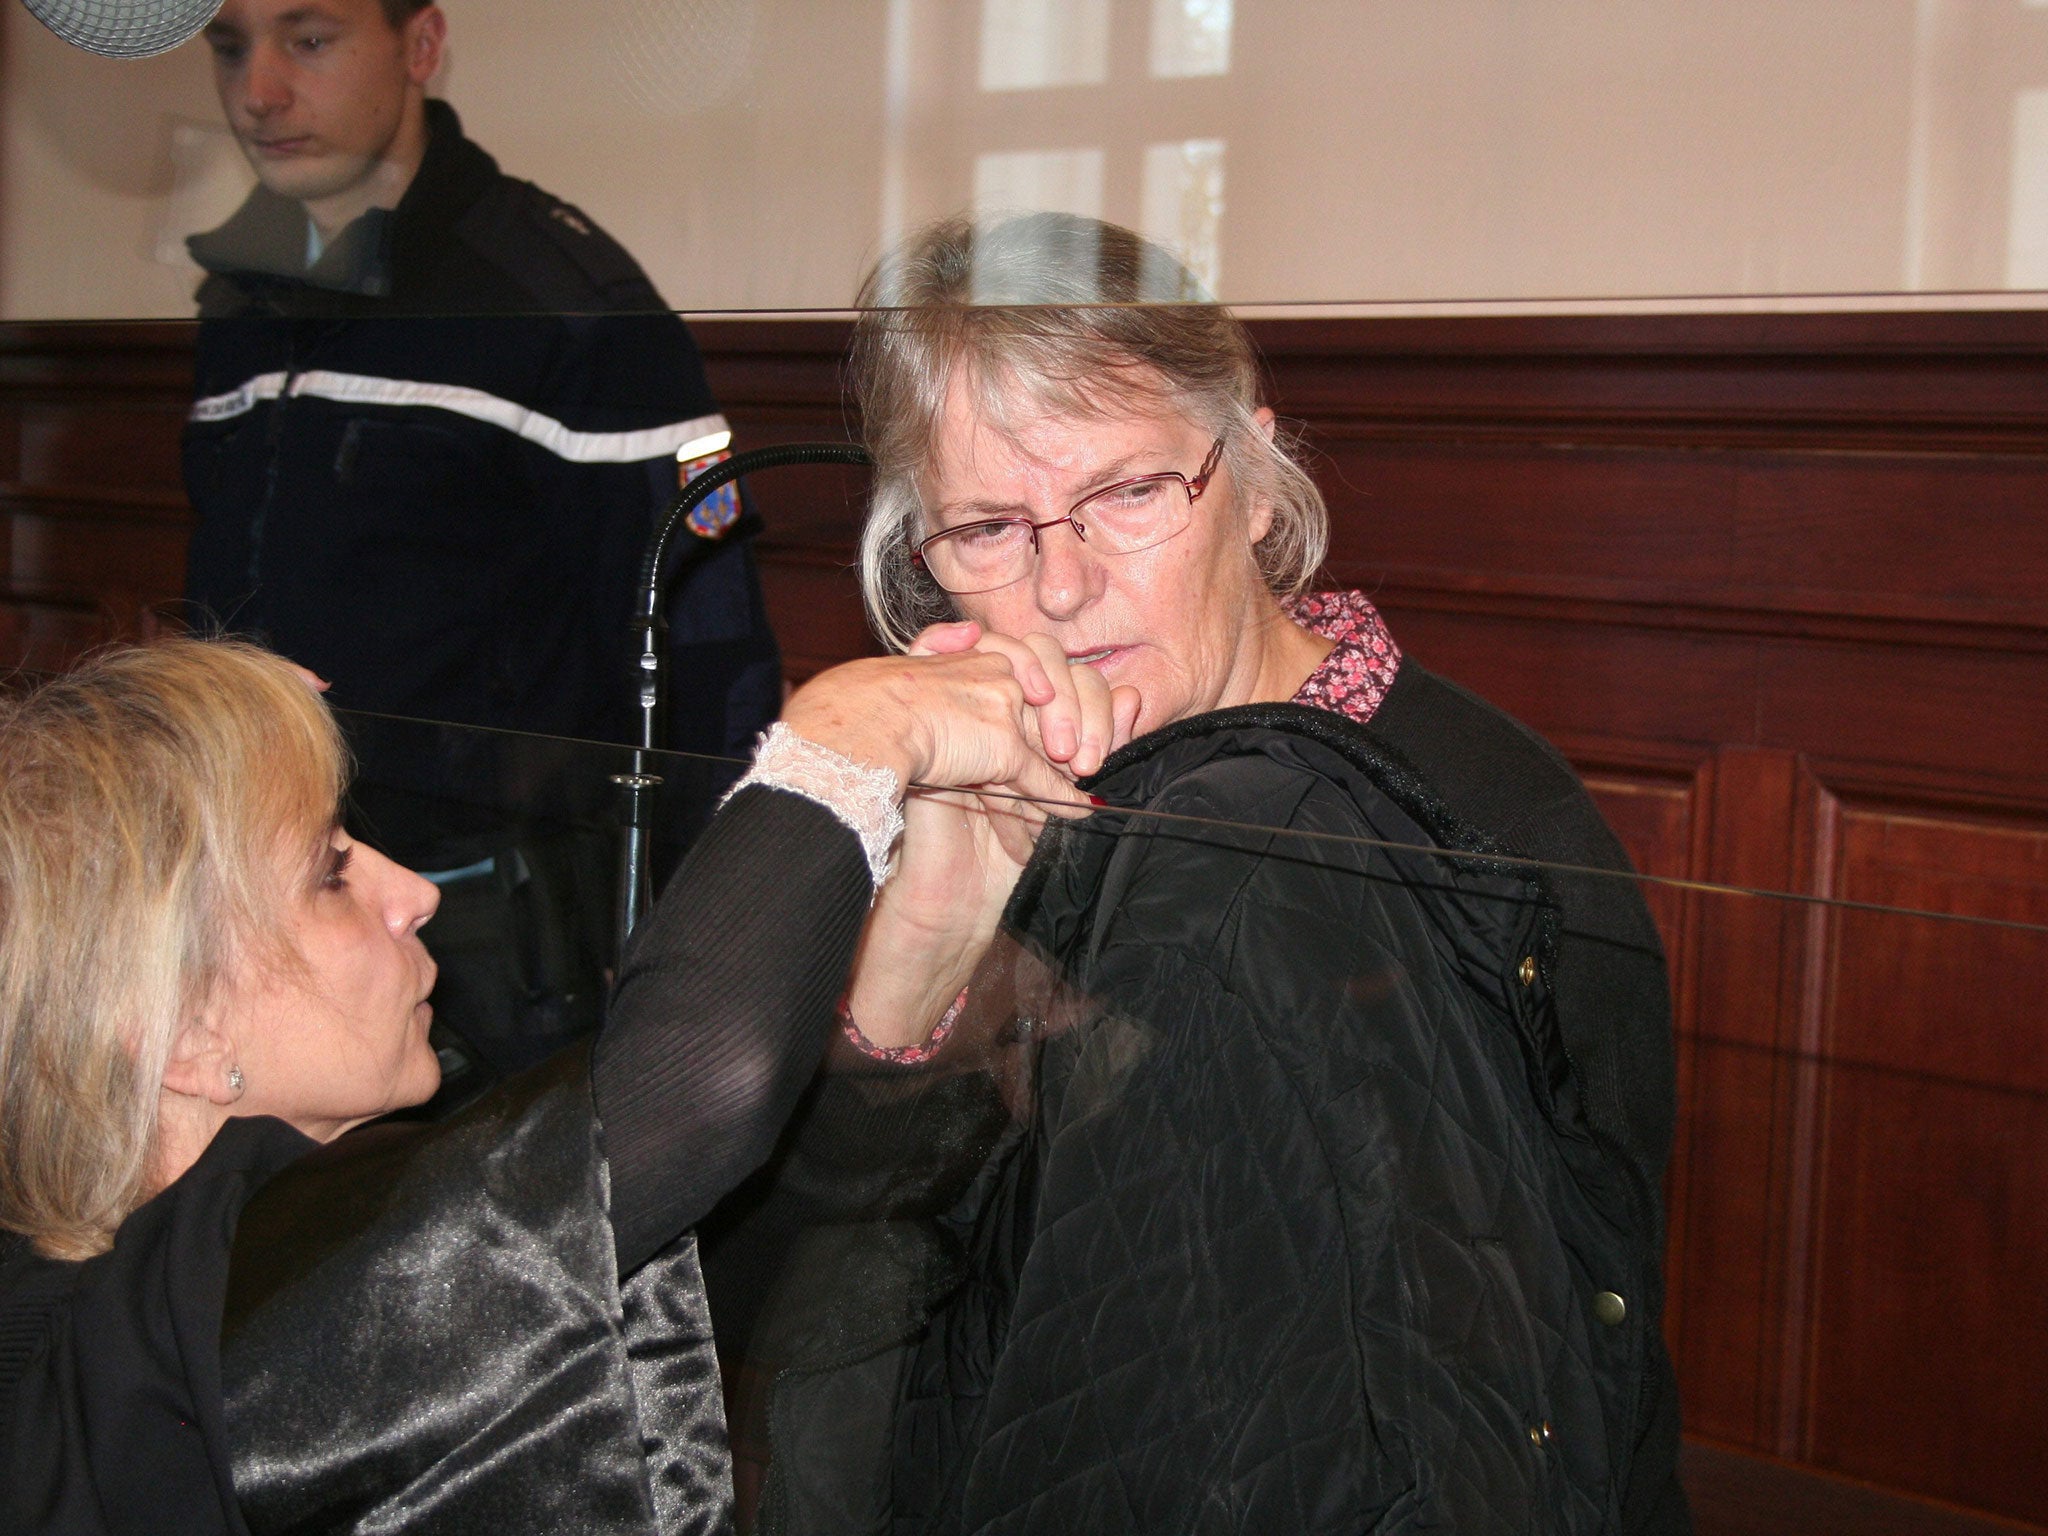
<point>992,730</point>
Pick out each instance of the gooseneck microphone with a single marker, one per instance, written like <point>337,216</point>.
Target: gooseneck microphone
<point>650,661</point>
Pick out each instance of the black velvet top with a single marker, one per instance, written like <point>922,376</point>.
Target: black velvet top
<point>110,1370</point>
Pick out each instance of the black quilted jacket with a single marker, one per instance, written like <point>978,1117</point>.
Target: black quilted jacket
<point>1283,1211</point>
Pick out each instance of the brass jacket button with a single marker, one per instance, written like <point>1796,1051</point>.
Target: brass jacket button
<point>1610,1309</point>
<point>1528,970</point>
<point>1539,1434</point>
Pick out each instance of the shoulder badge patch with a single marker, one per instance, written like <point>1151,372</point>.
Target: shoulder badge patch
<point>716,513</point>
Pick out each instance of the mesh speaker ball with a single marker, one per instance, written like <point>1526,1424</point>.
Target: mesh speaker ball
<point>124,29</point>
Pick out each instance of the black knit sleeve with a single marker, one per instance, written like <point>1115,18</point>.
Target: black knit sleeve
<point>724,1009</point>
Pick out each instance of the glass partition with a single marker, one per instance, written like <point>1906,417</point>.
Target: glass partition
<point>1855,1201</point>
<point>1854,1146</point>
<point>756,155</point>
<point>1856,1131</point>
<point>523,836</point>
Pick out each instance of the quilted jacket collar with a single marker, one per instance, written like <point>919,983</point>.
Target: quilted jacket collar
<point>1136,776</point>
<point>1492,906</point>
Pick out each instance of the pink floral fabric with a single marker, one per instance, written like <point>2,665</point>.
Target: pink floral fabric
<point>903,1055</point>
<point>1354,677</point>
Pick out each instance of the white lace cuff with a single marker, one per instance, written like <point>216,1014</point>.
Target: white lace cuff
<point>864,798</point>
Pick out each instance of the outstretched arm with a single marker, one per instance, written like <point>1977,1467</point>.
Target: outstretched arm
<point>729,993</point>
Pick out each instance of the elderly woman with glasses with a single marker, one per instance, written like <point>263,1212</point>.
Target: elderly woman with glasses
<point>1280,1148</point>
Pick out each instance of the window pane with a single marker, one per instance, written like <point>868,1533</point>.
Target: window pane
<point>2026,261</point>
<point>1030,44</point>
<point>1190,37</point>
<point>1184,204</point>
<point>1026,181</point>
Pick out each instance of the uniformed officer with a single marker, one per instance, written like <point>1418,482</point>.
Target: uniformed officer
<point>438,407</point>
<point>438,410</point>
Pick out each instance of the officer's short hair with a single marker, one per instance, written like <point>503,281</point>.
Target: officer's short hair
<point>399,12</point>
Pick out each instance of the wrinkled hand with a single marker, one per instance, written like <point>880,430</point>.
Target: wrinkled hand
<point>1078,718</point>
<point>962,851</point>
<point>941,720</point>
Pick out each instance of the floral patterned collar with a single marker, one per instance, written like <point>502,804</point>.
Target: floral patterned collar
<point>1354,677</point>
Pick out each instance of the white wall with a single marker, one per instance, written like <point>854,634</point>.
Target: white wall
<point>757,153</point>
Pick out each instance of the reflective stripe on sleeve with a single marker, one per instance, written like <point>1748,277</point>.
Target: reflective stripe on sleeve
<point>544,431</point>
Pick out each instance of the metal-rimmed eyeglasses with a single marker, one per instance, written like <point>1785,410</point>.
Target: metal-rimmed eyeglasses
<point>1118,519</point>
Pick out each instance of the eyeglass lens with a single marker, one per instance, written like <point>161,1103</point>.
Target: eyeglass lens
<point>1119,519</point>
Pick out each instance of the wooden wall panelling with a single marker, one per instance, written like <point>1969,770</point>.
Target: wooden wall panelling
<point>1971,378</point>
<point>1805,1073</point>
<point>814,604</point>
<point>1739,1493</point>
<point>41,633</point>
<point>1603,521</point>
<point>1809,543</point>
<point>1840,554</point>
<point>94,516</point>
<point>1734,1124</point>
<point>1582,678</point>
<point>1893,535</point>
<point>87,543</point>
<point>1932,1200</point>
<point>1960,716</point>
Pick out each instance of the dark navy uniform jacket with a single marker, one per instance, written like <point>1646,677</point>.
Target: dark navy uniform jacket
<point>427,465</point>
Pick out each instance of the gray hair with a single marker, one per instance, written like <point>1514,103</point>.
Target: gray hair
<point>1052,313</point>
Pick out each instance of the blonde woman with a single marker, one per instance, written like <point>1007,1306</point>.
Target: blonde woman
<point>219,1311</point>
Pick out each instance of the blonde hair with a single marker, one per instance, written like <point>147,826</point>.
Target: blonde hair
<point>144,800</point>
<point>1052,313</point>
